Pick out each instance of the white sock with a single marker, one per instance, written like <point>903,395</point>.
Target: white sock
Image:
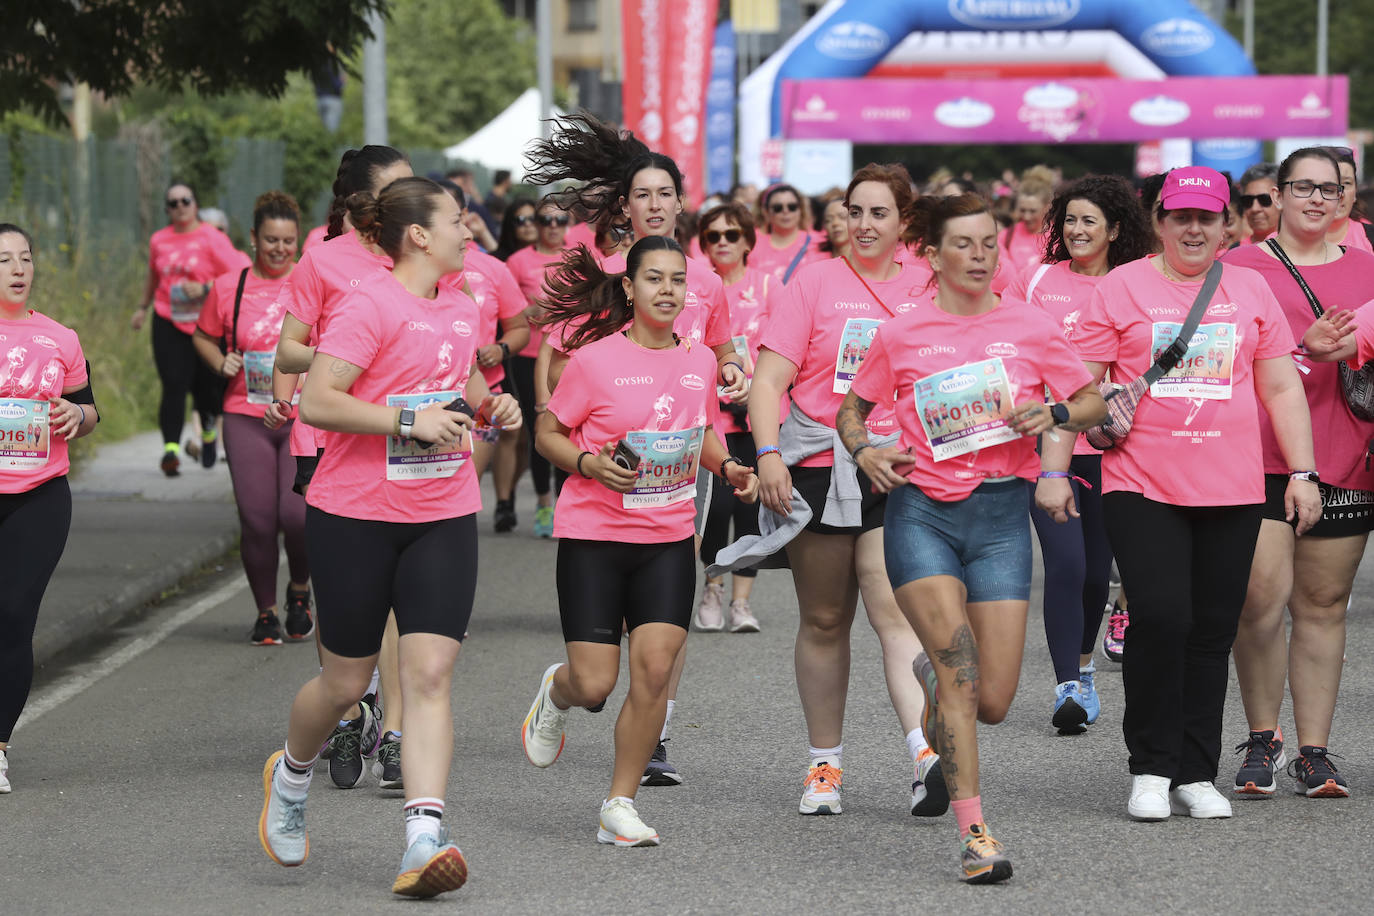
<point>423,818</point>
<point>831,755</point>
<point>1089,668</point>
<point>663,735</point>
<point>372,684</point>
<point>916,742</point>
<point>607,803</point>
<point>293,777</point>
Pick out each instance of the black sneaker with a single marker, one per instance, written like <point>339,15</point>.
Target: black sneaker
<point>660,772</point>
<point>209,451</point>
<point>1263,757</point>
<point>1316,774</point>
<point>504,516</point>
<point>170,464</point>
<point>267,631</point>
<point>299,623</point>
<point>346,748</point>
<point>387,766</point>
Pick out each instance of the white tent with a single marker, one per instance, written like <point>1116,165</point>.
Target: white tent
<point>500,144</point>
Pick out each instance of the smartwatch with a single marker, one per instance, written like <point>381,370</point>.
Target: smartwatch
<point>406,422</point>
<point>1059,413</point>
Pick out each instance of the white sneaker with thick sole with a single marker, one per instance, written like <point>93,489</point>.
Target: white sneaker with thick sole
<point>4,774</point>
<point>821,791</point>
<point>620,826</point>
<point>1149,798</point>
<point>710,618</point>
<point>1199,799</point>
<point>542,734</point>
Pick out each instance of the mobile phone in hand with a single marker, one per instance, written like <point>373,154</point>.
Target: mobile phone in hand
<point>625,456</point>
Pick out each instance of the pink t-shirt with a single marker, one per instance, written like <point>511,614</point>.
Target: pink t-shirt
<point>1355,238</point>
<point>581,234</point>
<point>406,345</point>
<point>822,322</point>
<point>775,261</point>
<point>42,359</point>
<point>1021,248</point>
<point>613,389</point>
<point>259,329</point>
<point>1195,440</point>
<point>1340,440</point>
<point>953,390</point>
<point>197,256</point>
<point>1064,295</point>
<point>324,275</point>
<point>314,237</point>
<point>529,267</point>
<point>497,297</point>
<point>747,299</point>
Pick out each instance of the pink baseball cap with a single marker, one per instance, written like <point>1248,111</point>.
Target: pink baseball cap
<point>1195,186</point>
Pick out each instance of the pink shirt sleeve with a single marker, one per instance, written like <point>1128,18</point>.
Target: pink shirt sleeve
<point>1364,335</point>
<point>875,381</point>
<point>1096,336</point>
<point>572,400</point>
<point>303,294</point>
<point>355,335</point>
<point>213,314</point>
<point>788,328</point>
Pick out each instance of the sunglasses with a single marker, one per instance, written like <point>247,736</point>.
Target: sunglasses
<point>174,202</point>
<point>544,220</point>
<point>524,220</point>
<point>792,207</point>
<point>1248,200</point>
<point>730,235</point>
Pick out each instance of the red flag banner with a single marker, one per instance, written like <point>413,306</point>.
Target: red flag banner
<point>643,30</point>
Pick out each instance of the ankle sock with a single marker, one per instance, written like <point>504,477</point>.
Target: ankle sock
<point>170,447</point>
<point>424,817</point>
<point>831,755</point>
<point>916,742</point>
<point>967,811</point>
<point>625,798</point>
<point>373,684</point>
<point>293,776</point>
<point>663,735</point>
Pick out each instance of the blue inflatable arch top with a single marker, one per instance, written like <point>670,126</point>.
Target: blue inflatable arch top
<point>858,34</point>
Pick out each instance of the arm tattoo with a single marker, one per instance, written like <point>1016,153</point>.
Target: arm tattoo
<point>962,656</point>
<point>340,368</point>
<point>849,422</point>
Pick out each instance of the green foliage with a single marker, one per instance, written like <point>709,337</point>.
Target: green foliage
<point>198,150</point>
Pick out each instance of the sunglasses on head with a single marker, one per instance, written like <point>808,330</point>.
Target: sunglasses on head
<point>730,235</point>
<point>546,220</point>
<point>173,202</point>
<point>1248,200</point>
<point>524,220</point>
<point>791,207</point>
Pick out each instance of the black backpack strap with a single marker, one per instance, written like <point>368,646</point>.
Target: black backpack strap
<point>233,342</point>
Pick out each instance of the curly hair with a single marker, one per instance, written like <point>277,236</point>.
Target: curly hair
<point>275,205</point>
<point>1119,203</point>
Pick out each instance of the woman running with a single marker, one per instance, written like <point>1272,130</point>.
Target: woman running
<point>625,520</point>
<point>48,402</point>
<point>236,337</point>
<point>957,543</point>
<point>184,258</point>
<point>326,274</point>
<point>392,517</point>
<point>835,548</point>
<point>785,245</point>
<point>1184,492</point>
<point>727,237</point>
<point>1094,224</point>
<point>1311,575</point>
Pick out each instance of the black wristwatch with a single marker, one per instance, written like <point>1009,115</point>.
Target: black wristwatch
<point>405,423</point>
<point>1059,413</point>
<point>505,349</point>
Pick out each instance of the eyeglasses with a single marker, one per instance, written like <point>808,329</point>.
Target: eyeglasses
<point>1302,188</point>
<point>1249,200</point>
<point>524,220</point>
<point>792,207</point>
<point>545,220</point>
<point>730,235</point>
<point>174,202</point>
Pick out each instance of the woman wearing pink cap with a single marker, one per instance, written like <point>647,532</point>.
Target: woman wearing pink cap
<point>1184,492</point>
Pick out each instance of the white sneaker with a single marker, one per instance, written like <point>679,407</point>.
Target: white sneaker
<point>709,618</point>
<point>1149,798</point>
<point>620,825</point>
<point>4,774</point>
<point>542,734</point>
<point>742,619</point>
<point>821,791</point>
<point>1199,799</point>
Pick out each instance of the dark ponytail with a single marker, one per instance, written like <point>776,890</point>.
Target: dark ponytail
<point>384,218</point>
<point>592,301</point>
<point>356,170</point>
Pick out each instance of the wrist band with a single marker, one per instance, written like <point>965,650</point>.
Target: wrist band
<point>855,454</point>
<point>1067,475</point>
<point>767,450</point>
<point>83,416</point>
<point>731,459</point>
<point>286,405</point>
<point>505,348</point>
<point>579,465</point>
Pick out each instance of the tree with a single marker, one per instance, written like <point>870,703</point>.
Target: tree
<point>213,46</point>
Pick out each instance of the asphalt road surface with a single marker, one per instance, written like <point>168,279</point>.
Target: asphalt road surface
<point>137,786</point>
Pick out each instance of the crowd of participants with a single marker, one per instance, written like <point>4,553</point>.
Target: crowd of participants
<point>885,389</point>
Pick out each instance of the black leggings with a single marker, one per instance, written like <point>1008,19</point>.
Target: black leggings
<point>726,507</point>
<point>33,528</point>
<point>183,372</point>
<point>1186,570</point>
<point>361,569</point>
<point>1078,567</point>
<point>604,583</point>
<point>521,376</point>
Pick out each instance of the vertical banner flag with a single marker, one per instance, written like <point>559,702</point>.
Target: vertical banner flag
<point>667,63</point>
<point>720,113</point>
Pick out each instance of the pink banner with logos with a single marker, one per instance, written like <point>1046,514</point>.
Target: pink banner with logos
<point>1064,110</point>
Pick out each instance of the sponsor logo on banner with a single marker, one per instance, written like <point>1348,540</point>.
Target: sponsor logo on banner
<point>1160,111</point>
<point>815,110</point>
<point>1177,38</point>
<point>1228,148</point>
<point>1014,14</point>
<point>1001,348</point>
<point>964,112</point>
<point>1052,109</point>
<point>1232,112</point>
<point>1311,107</point>
<point>852,40</point>
<point>887,113</point>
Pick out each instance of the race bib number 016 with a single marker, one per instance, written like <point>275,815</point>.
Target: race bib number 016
<point>667,467</point>
<point>407,459</point>
<point>1205,370</point>
<point>962,409</point>
<point>24,436</point>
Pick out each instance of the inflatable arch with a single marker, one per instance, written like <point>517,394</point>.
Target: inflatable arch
<point>850,37</point>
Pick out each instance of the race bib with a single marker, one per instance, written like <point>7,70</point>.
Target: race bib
<point>184,308</point>
<point>23,433</point>
<point>407,459</point>
<point>1205,370</point>
<point>962,409</point>
<point>667,467</point>
<point>854,343</point>
<point>257,375</point>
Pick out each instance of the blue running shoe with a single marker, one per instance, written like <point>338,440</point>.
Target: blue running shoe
<point>1087,692</point>
<point>429,868</point>
<point>281,826</point>
<point>543,522</point>
<point>1069,715</point>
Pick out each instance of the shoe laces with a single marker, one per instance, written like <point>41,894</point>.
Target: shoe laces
<point>660,754</point>
<point>347,743</point>
<point>823,774</point>
<point>1313,761</point>
<point>292,818</point>
<point>1258,751</point>
<point>549,726</point>
<point>980,843</point>
<point>297,601</point>
<point>389,752</point>
<point>1117,623</point>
